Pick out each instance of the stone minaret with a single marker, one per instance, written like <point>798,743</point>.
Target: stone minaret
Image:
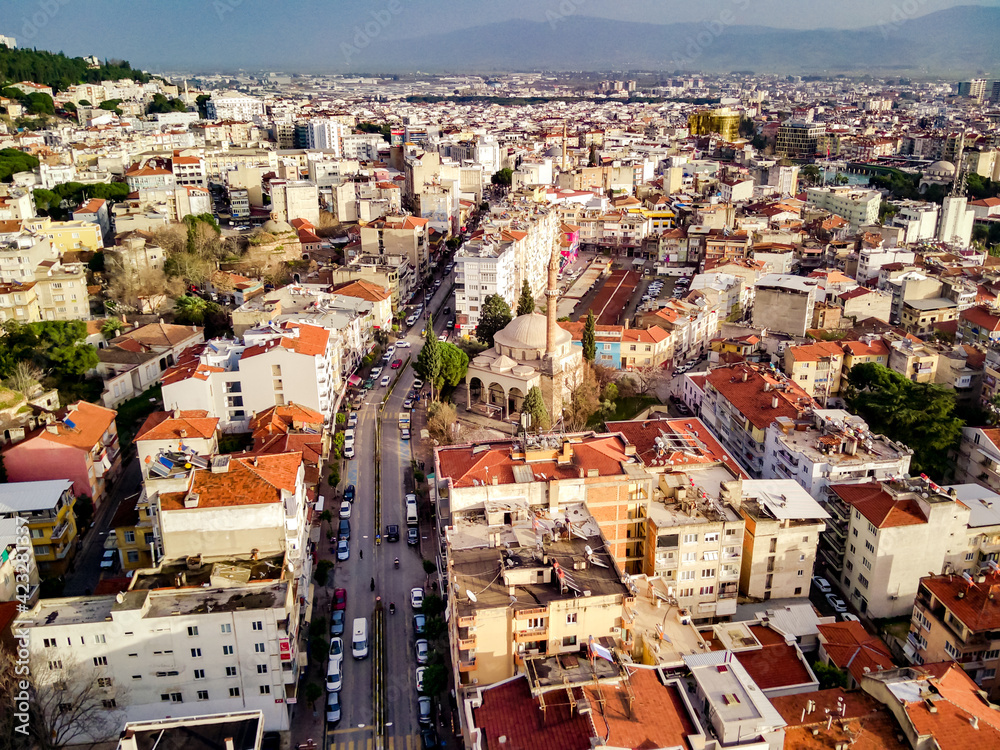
<point>552,302</point>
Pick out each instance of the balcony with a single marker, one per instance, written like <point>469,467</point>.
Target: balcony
<point>59,532</point>
<point>530,636</point>
<point>467,644</point>
<point>524,614</point>
<point>468,621</point>
<point>467,665</point>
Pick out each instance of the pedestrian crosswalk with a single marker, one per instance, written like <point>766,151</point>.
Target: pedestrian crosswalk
<point>365,740</point>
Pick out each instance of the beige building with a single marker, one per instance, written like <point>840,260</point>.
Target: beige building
<point>978,458</point>
<point>816,368</point>
<point>19,302</point>
<point>62,291</point>
<point>399,235</point>
<point>913,360</point>
<point>783,524</point>
<point>920,316</point>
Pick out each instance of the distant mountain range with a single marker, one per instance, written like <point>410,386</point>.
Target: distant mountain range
<point>962,40</point>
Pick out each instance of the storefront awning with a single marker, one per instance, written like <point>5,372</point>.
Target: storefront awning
<point>354,380</point>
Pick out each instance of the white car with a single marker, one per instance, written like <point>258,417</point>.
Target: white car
<point>402,344</point>
<point>385,380</point>
<point>836,602</point>
<point>332,708</point>
<point>418,384</point>
<point>334,677</point>
<point>417,597</point>
<point>345,509</point>
<point>376,371</point>
<point>421,647</point>
<point>848,617</point>
<point>822,584</point>
<point>336,650</point>
<point>352,420</point>
<point>349,435</point>
<point>420,679</point>
<point>349,451</point>
<point>405,435</point>
<point>389,350</point>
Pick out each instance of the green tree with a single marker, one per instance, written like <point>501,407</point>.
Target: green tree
<point>428,364</point>
<point>919,415</point>
<point>526,302</point>
<point>13,161</point>
<point>435,679</point>
<point>111,327</point>
<point>493,318</point>
<point>313,693</point>
<point>534,405</point>
<point>454,365</point>
<point>503,177</point>
<point>829,676</point>
<point>592,160</point>
<point>190,310</point>
<point>810,173</point>
<point>589,337</point>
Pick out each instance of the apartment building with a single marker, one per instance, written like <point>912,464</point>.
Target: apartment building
<point>884,536</point>
<point>46,507</point>
<point>294,199</point>
<point>231,105</point>
<point>922,316</point>
<point>62,291</point>
<point>955,619</point>
<point>270,365</point>
<point>831,446</point>
<point>914,360</point>
<point>95,211</point>
<point>797,139</point>
<point>66,236</point>
<point>624,348</point>
<point>179,431</point>
<point>21,252</point>
<point>742,401</point>
<point>783,524</point>
<point>858,207</point>
<point>483,267</point>
<point>182,642</point>
<point>978,325</point>
<point>816,368</point>
<point>19,302</point>
<point>82,447</point>
<point>978,458</point>
<point>399,235</point>
<point>785,303</point>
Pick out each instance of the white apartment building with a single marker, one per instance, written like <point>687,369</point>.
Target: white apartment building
<point>21,253</point>
<point>871,260</point>
<point>833,446</point>
<point>857,207</point>
<point>234,379</point>
<point>482,268</point>
<point>295,199</point>
<point>978,458</point>
<point>327,135</point>
<point>917,219</point>
<point>883,537</point>
<point>361,146</point>
<point>956,222</point>
<point>783,524</point>
<point>175,649</point>
<point>230,105</point>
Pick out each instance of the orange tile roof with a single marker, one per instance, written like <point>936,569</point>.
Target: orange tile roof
<point>750,398</point>
<point>977,605</point>
<point>158,335</point>
<point>254,480</point>
<point>776,664</point>
<point>878,506</point>
<point>982,318</point>
<point>656,717</point>
<point>363,290</point>
<point>865,724</point>
<point>311,341</point>
<point>163,425</point>
<point>283,419</point>
<point>815,352</point>
<point>704,449</point>
<point>852,648</point>
<point>90,422</point>
<point>957,702</point>
<point>309,445</point>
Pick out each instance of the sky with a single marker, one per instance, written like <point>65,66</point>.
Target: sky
<point>290,35</point>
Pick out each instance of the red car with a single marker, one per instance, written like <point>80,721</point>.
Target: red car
<point>397,364</point>
<point>340,599</point>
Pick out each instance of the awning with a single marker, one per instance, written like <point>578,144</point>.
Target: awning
<point>354,380</point>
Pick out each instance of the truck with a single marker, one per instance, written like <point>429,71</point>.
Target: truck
<point>404,420</point>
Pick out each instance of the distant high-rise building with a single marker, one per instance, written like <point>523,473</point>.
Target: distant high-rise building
<point>9,41</point>
<point>723,121</point>
<point>798,140</point>
<point>974,89</point>
<point>325,134</point>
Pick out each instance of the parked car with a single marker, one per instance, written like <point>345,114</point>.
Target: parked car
<point>344,530</point>
<point>376,371</point>
<point>419,624</point>
<point>336,649</point>
<point>424,709</point>
<point>418,384</point>
<point>408,404</point>
<point>385,381</point>
<point>343,549</point>
<point>417,597</point>
<point>349,451</point>
<point>332,708</point>
<point>421,648</point>
<point>822,584</point>
<point>108,560</point>
<point>402,344</point>
<point>412,536</point>
<point>420,679</point>
<point>340,599</point>
<point>405,435</point>
<point>345,509</point>
<point>429,739</point>
<point>848,617</point>
<point>349,493</point>
<point>337,621</point>
<point>836,602</point>
<point>352,420</point>
<point>334,677</point>
<point>683,410</point>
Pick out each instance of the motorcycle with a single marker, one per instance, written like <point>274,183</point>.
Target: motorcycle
<point>392,608</point>
<point>396,563</point>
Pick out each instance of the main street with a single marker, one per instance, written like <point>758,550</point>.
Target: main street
<point>356,729</point>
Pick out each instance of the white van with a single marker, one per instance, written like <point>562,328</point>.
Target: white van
<point>411,511</point>
<point>359,641</point>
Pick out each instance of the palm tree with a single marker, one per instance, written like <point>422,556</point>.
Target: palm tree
<point>190,310</point>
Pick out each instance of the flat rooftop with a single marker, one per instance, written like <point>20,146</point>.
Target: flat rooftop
<point>231,571</point>
<point>198,732</point>
<point>29,497</point>
<point>479,571</point>
<point>665,511</point>
<point>821,445</point>
<point>658,623</point>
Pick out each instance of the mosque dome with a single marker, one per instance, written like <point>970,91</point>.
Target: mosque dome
<point>529,332</point>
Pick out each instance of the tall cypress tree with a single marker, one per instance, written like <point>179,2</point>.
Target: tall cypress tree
<point>589,338</point>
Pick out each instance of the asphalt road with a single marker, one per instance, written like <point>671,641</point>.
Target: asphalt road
<point>355,575</point>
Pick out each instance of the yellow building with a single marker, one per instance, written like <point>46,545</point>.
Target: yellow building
<point>46,508</point>
<point>133,525</point>
<point>723,121</point>
<point>19,302</point>
<point>67,236</point>
<point>816,368</point>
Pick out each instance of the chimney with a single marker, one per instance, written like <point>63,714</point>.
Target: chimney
<point>774,402</point>
<point>229,743</point>
<point>177,413</point>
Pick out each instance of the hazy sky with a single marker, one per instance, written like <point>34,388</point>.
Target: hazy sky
<point>307,34</point>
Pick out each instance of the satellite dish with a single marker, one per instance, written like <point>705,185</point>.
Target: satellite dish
<point>588,550</point>
<point>472,597</point>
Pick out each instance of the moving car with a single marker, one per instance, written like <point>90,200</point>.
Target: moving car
<point>417,597</point>
<point>349,493</point>
<point>392,533</point>
<point>397,364</point>
<point>402,344</point>
<point>340,599</point>
<point>385,381</point>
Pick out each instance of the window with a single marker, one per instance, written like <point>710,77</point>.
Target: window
<point>196,653</point>
<point>227,650</point>
<point>100,661</point>
<point>104,682</point>
<point>689,557</point>
<point>569,640</point>
<point>130,537</point>
<point>230,671</point>
<point>798,590</point>
<point>227,628</point>
<point>265,689</point>
<point>199,674</point>
<point>711,537</point>
<point>685,592</point>
<point>571,618</point>
<point>864,561</point>
<point>50,642</point>
<point>708,573</point>
<point>802,558</point>
<point>862,580</point>
<point>950,650</point>
<point>870,547</point>
<point>871,528</point>
<point>713,555</point>
<point>261,669</point>
<point>969,556</point>
<point>706,590</point>
<point>176,698</point>
<point>193,630</point>
<point>805,539</point>
<point>686,575</point>
<point>258,625</point>
<point>258,648</point>
<point>203,695</point>
<point>690,539</point>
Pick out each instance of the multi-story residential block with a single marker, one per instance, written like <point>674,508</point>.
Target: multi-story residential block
<point>742,401</point>
<point>831,447</point>
<point>144,177</point>
<point>82,447</point>
<point>858,207</point>
<point>784,303</point>
<point>399,235</point>
<point>270,365</point>
<point>186,641</point>
<point>19,302</point>
<point>62,291</point>
<point>852,649</point>
<point>189,171</point>
<point>914,360</point>
<point>955,619</point>
<point>294,199</point>
<point>66,236</point>
<point>783,524</point>
<point>177,432</point>
<point>482,268</point>
<point>95,211</point>
<point>884,536</point>
<point>136,360</point>
<point>326,134</point>
<point>623,348</point>
<point>816,368</point>
<point>798,140</point>
<point>231,105</point>
<point>978,325</point>
<point>918,219</point>
<point>46,508</point>
<point>921,316</point>
<point>978,458</point>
